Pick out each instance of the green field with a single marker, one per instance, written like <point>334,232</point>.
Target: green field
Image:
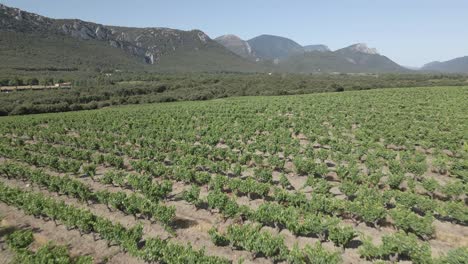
<point>351,177</point>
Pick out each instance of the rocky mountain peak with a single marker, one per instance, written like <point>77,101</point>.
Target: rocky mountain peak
<point>363,48</point>
<point>14,19</point>
<point>202,36</point>
<point>270,47</point>
<point>236,45</point>
<point>316,47</point>
<point>229,37</point>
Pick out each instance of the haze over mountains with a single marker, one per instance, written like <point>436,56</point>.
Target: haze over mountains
<point>32,41</point>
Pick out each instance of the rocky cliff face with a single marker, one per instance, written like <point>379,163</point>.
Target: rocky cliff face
<point>90,31</point>
<point>236,45</point>
<point>13,19</point>
<point>148,43</point>
<point>364,57</point>
<point>362,48</point>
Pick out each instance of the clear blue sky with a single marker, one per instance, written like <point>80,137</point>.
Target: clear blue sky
<point>411,32</point>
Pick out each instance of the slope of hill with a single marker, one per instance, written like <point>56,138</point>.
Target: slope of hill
<point>236,45</point>
<point>146,45</point>
<point>457,65</point>
<point>353,59</point>
<point>316,61</point>
<point>268,47</point>
<point>318,47</point>
<point>60,52</point>
<point>368,59</point>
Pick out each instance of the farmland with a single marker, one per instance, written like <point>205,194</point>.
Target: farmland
<point>350,177</point>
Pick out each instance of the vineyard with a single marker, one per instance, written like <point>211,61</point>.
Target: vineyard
<point>376,176</point>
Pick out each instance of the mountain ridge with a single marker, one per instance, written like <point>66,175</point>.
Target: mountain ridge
<point>359,48</point>
<point>271,47</point>
<point>456,65</point>
<point>236,45</point>
<point>172,49</point>
<point>150,44</point>
<point>289,56</point>
<point>17,20</point>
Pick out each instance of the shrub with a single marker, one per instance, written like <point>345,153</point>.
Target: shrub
<point>397,246</point>
<point>341,235</point>
<point>411,222</point>
<point>20,239</point>
<point>192,195</point>
<point>454,256</point>
<point>316,254</point>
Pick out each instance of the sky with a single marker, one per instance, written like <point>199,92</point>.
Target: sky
<point>410,32</point>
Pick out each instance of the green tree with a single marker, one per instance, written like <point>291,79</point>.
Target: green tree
<point>15,82</point>
<point>32,81</point>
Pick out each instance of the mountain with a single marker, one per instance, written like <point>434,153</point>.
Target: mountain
<point>289,56</point>
<point>359,48</point>
<point>32,42</point>
<point>29,36</point>
<point>236,45</point>
<point>317,62</point>
<point>268,47</point>
<point>357,58</point>
<point>368,59</point>
<point>321,48</point>
<point>457,65</point>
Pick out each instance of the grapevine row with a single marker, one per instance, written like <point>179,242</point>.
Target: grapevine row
<point>129,239</point>
<point>128,204</point>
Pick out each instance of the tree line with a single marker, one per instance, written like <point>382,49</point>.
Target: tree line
<point>121,88</point>
<point>29,81</point>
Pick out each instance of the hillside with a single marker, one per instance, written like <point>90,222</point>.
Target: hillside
<point>368,59</point>
<point>268,47</point>
<point>60,51</point>
<point>316,61</point>
<point>457,65</point>
<point>94,43</point>
<point>356,58</point>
